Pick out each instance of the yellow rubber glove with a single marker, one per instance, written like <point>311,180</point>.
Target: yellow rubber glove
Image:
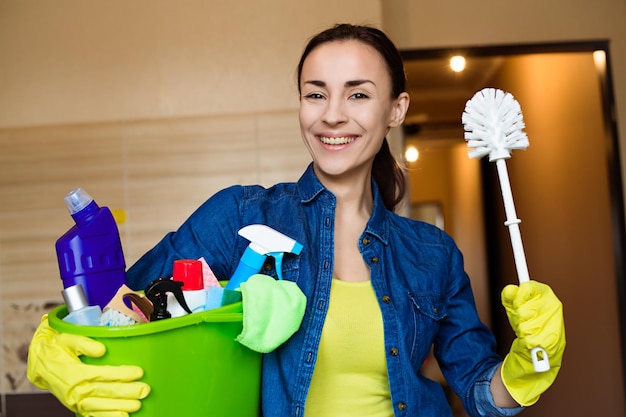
<point>91,390</point>
<point>536,316</point>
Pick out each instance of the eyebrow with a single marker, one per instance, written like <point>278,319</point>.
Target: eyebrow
<point>352,83</point>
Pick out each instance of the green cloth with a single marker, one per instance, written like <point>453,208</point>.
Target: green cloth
<point>272,312</point>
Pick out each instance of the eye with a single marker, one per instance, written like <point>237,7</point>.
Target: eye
<point>314,96</point>
<point>359,96</point>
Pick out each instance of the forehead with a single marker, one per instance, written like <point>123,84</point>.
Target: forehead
<point>349,59</point>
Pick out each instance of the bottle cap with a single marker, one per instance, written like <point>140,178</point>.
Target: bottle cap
<point>75,298</point>
<point>189,272</point>
<point>77,199</point>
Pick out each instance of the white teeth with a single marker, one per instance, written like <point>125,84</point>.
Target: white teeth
<point>336,141</point>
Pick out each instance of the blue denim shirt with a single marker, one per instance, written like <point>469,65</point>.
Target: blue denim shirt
<point>416,272</point>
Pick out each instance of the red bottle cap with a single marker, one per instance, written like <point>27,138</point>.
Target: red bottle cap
<point>189,272</point>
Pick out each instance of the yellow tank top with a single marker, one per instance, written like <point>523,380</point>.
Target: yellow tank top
<point>350,376</point>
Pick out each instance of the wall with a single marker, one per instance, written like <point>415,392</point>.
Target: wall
<point>68,61</point>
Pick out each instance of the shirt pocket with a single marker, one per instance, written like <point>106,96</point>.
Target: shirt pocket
<point>428,312</point>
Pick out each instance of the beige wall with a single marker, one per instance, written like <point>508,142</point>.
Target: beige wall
<point>70,61</point>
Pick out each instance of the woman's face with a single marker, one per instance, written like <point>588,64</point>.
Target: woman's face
<point>346,108</point>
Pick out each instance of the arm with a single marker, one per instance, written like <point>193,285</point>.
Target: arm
<point>210,232</point>
<point>501,396</point>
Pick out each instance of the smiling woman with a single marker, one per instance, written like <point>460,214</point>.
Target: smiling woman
<point>381,289</point>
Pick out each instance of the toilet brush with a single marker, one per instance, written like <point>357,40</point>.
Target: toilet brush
<point>493,125</point>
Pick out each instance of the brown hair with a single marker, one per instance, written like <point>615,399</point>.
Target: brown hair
<point>386,171</point>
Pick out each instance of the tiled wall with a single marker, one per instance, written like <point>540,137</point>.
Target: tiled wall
<point>155,173</point>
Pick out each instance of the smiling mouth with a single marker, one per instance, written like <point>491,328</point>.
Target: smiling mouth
<point>336,141</point>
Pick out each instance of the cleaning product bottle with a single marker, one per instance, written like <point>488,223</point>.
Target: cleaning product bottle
<point>264,241</point>
<point>157,292</point>
<point>80,312</point>
<point>90,253</point>
<point>189,272</point>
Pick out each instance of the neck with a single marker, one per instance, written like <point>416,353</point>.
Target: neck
<point>353,193</point>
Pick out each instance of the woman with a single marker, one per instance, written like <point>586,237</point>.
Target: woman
<point>381,289</point>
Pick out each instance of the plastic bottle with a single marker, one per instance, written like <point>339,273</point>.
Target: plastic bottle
<point>80,312</point>
<point>189,272</point>
<point>90,253</point>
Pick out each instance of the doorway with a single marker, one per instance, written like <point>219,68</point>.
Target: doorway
<point>567,188</point>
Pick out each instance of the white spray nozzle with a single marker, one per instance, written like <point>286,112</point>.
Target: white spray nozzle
<point>265,240</point>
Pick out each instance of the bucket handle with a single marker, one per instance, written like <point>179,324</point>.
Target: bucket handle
<point>227,317</point>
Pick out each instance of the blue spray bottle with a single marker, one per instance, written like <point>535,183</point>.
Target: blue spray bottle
<point>264,242</point>
<point>90,253</point>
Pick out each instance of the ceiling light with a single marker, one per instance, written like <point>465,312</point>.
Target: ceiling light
<point>411,154</point>
<point>457,63</point>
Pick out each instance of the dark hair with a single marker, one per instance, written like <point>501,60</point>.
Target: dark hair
<point>386,171</point>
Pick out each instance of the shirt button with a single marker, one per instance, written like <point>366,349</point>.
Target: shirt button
<point>366,241</point>
<point>394,351</point>
<point>386,299</point>
<point>267,267</point>
<point>375,259</point>
<point>401,406</point>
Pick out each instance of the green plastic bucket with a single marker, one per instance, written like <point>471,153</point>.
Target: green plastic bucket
<point>192,363</point>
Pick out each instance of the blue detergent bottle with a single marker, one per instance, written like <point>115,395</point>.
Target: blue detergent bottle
<point>90,253</point>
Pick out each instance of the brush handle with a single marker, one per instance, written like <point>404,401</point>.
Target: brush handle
<point>512,222</point>
<point>538,354</point>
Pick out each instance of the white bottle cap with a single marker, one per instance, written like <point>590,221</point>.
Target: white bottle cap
<point>77,199</point>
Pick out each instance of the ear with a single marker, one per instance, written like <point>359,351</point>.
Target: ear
<point>400,107</point>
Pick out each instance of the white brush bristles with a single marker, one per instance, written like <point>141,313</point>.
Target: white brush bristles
<point>493,124</point>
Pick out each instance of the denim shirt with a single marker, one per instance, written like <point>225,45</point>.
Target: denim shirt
<point>416,272</point>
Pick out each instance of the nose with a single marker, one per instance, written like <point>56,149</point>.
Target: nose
<point>335,112</point>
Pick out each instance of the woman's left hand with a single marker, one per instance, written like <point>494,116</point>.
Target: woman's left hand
<point>536,316</point>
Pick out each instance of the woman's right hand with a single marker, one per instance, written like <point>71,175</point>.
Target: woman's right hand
<point>90,390</point>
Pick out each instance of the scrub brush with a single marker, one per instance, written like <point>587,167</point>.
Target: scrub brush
<point>493,125</point>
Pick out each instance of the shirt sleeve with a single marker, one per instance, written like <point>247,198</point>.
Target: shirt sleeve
<point>484,399</point>
<point>210,232</point>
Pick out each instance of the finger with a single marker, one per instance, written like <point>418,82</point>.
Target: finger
<point>114,373</point>
<point>82,345</point>
<point>108,406</point>
<point>117,390</point>
<point>508,295</point>
<point>105,414</point>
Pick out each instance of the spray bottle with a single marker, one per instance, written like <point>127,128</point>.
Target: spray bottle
<point>264,242</point>
<point>189,272</point>
<point>90,253</point>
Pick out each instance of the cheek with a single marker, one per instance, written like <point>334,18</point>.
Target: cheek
<point>308,116</point>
